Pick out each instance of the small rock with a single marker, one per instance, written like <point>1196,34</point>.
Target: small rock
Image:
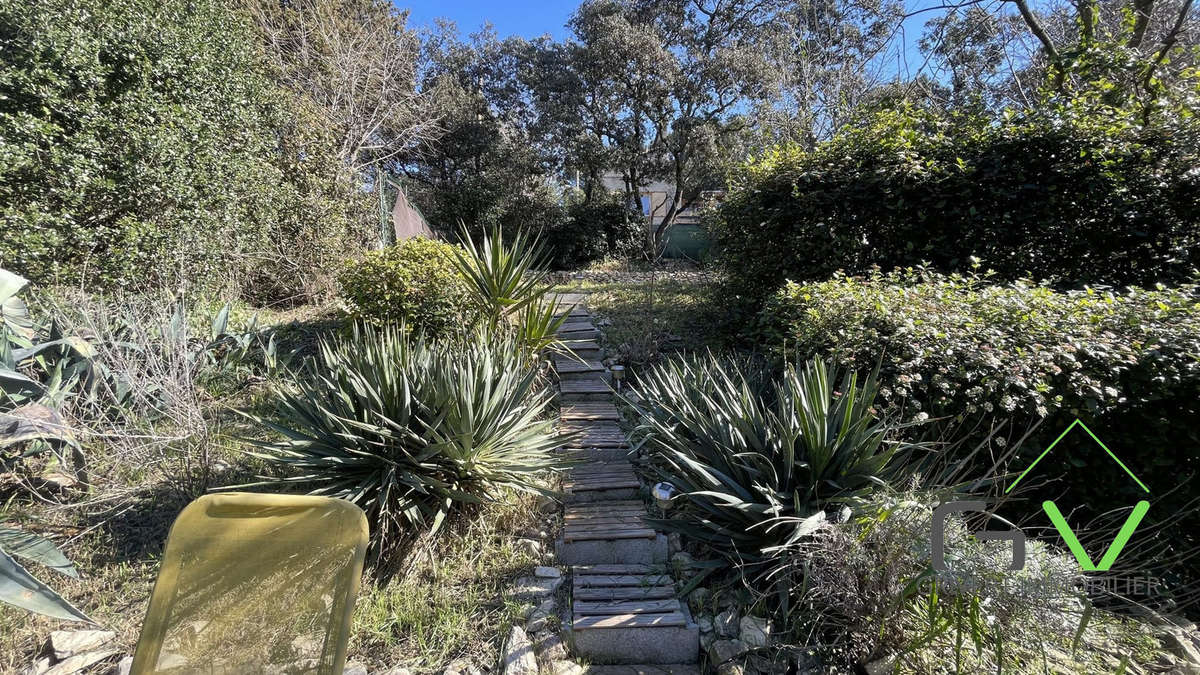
<point>533,547</point>
<point>534,588</point>
<point>774,664</point>
<point>706,640</point>
<point>547,606</point>
<point>683,559</point>
<point>698,597</point>
<point>536,622</point>
<point>37,667</point>
<point>565,668</point>
<point>754,631</point>
<point>78,662</point>
<point>124,665</point>
<point>354,668</point>
<point>305,646</point>
<point>547,572</point>
<point>549,647</point>
<point>705,622</point>
<point>880,667</point>
<point>537,619</point>
<point>726,623</point>
<point>1181,644</point>
<point>722,654</point>
<point>547,505</point>
<point>518,654</point>
<point>674,542</point>
<point>64,643</point>
<point>461,667</point>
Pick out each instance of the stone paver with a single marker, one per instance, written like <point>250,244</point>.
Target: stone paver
<point>623,605</point>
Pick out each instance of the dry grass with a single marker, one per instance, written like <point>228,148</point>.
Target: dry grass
<point>150,459</point>
<point>448,604</point>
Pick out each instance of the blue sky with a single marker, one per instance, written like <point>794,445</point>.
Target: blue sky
<point>532,18</point>
<point>527,18</point>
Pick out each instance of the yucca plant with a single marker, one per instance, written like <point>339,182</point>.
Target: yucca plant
<point>503,278</point>
<point>410,429</point>
<point>509,290</point>
<point>757,461</point>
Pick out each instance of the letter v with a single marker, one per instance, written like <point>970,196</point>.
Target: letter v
<point>1114,549</point>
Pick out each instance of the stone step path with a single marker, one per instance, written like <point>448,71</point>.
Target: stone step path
<point>627,613</point>
<point>624,612</point>
<point>602,481</point>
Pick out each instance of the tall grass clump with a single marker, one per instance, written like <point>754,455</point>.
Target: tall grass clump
<point>412,429</point>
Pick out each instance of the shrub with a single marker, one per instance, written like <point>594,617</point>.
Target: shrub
<point>864,590</point>
<point>508,290</point>
<point>412,429</point>
<point>1070,193</point>
<point>595,229</point>
<point>146,142</point>
<point>1126,363</point>
<point>757,460</point>
<point>414,281</point>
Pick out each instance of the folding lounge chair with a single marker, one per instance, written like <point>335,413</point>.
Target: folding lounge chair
<point>255,583</point>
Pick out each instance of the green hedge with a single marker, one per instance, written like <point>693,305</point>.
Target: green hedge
<point>593,230</point>
<point>1127,364</point>
<point>1070,194</point>
<point>147,142</point>
<point>414,281</point>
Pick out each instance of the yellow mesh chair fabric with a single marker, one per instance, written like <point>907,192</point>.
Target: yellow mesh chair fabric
<point>255,583</point>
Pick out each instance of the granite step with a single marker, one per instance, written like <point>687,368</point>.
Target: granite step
<point>628,614</point>
<point>580,412</point>
<point>566,365</point>
<point>602,481</point>
<point>579,332</point>
<point>643,669</point>
<point>610,532</point>
<point>599,434</point>
<point>592,389</point>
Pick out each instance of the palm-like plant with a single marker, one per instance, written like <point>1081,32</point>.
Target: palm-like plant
<point>758,461</point>
<point>409,428</point>
<point>503,277</point>
<point>508,289</point>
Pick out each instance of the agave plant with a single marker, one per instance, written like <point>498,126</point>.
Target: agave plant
<point>409,428</point>
<point>758,461</point>
<point>20,588</point>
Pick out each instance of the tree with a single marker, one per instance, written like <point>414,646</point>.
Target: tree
<point>1120,53</point>
<point>144,143</point>
<point>974,51</point>
<point>356,60</point>
<point>482,168</point>
<point>650,89</point>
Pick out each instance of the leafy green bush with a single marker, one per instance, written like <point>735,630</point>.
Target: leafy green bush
<point>757,460</point>
<point>594,230</point>
<point>147,142</point>
<point>1126,363</point>
<point>415,281</point>
<point>1072,194</point>
<point>411,429</point>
